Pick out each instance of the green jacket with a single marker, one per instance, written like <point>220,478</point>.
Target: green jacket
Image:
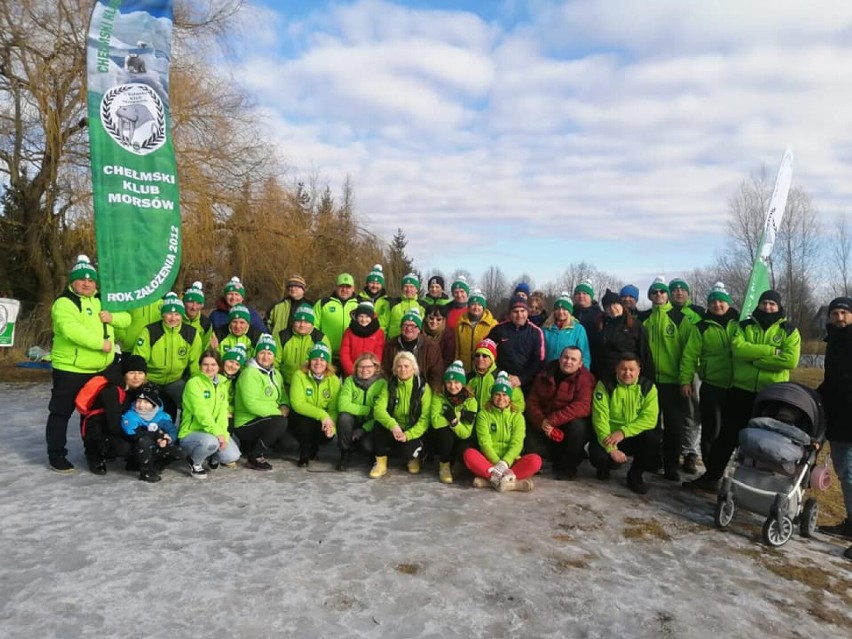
<point>278,317</point>
<point>500,433</point>
<point>630,409</point>
<point>333,317</point>
<point>293,351</point>
<point>170,352</point>
<point>481,387</point>
<point>708,352</point>
<point>78,333</point>
<point>139,319</point>
<point>668,332</point>
<point>358,402</point>
<point>204,326</point>
<point>763,357</point>
<point>260,393</point>
<point>414,425</point>
<point>314,399</point>
<point>462,430</point>
<point>397,311</point>
<point>205,406</point>
<point>231,340</point>
<point>382,306</point>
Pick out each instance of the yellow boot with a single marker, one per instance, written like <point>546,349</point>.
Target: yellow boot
<point>445,473</point>
<point>414,466</point>
<point>380,468</point>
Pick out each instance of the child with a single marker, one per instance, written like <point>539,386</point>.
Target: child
<point>153,432</point>
<point>453,415</point>
<point>363,335</point>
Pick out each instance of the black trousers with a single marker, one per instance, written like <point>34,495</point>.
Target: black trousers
<point>448,446</point>
<point>567,454</point>
<point>710,404</point>
<point>101,441</point>
<point>644,448</point>
<point>66,385</point>
<point>308,432</point>
<point>673,411</point>
<point>735,415</point>
<point>383,442</point>
<point>257,436</point>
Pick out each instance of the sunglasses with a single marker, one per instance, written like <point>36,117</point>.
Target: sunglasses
<point>658,292</point>
<point>479,355</point>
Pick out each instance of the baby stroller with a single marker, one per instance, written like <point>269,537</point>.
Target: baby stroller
<point>775,463</point>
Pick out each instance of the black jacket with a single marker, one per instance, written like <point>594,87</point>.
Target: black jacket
<point>836,388</point>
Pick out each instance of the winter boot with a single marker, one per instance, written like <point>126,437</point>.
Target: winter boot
<point>445,473</point>
<point>522,485</point>
<point>413,466</point>
<point>380,468</point>
<point>96,463</point>
<point>481,482</point>
<point>636,483</point>
<point>345,459</point>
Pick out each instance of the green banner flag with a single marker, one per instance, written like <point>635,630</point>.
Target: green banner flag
<point>759,281</point>
<point>134,175</point>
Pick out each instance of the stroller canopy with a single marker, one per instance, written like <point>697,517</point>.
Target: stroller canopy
<point>799,396</point>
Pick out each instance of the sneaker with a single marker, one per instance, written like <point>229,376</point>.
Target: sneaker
<point>213,462</point>
<point>61,464</point>
<point>637,484</point>
<point>413,466</point>
<point>228,465</point>
<point>196,470</point>
<point>149,476</point>
<point>703,483</point>
<point>690,463</point>
<point>602,474</point>
<point>258,463</point>
<point>481,482</point>
<point>843,529</point>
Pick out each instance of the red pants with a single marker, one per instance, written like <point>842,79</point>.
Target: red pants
<point>526,466</point>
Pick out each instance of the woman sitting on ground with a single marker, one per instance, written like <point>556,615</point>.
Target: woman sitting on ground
<point>355,407</point>
<point>453,416</point>
<point>313,403</point>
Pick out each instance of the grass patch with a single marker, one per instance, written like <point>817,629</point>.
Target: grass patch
<point>811,377</point>
<point>408,569</point>
<point>578,563</point>
<point>638,528</point>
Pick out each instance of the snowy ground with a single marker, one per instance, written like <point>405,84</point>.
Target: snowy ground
<point>318,553</point>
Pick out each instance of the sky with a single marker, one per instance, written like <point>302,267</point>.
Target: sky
<point>534,134</point>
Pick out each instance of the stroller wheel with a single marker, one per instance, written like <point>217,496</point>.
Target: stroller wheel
<point>774,535</point>
<point>725,509</point>
<point>808,518</point>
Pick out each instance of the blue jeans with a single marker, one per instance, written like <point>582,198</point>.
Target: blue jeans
<point>841,457</point>
<point>200,445</point>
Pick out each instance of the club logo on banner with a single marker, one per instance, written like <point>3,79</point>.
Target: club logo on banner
<point>134,116</point>
<point>9,310</point>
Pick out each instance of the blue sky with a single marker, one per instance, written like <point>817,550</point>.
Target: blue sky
<point>532,134</point>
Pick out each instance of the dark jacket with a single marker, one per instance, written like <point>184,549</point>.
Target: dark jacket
<point>560,398</point>
<point>614,336</point>
<point>520,350</point>
<point>836,388</point>
<point>428,355</point>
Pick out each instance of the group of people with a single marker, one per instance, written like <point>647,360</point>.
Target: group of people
<point>422,376</point>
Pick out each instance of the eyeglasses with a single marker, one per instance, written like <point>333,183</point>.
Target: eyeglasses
<point>360,366</point>
<point>435,318</point>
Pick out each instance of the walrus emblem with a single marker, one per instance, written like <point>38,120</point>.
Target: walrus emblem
<point>134,117</point>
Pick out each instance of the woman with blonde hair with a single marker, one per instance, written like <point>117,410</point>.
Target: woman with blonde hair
<point>313,403</point>
<point>355,406</point>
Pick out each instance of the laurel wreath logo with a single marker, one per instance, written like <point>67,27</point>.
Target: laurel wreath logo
<point>151,142</point>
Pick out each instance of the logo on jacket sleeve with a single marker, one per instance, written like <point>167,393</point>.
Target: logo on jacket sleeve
<point>207,394</point>
<point>598,395</point>
<point>309,392</point>
<point>182,351</point>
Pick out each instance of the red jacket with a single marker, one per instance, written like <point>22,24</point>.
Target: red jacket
<point>560,402</point>
<point>352,346</point>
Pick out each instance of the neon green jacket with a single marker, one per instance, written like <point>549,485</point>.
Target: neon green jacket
<point>668,332</point>
<point>78,333</point>
<point>763,357</point>
<point>413,427</point>
<point>500,433</point>
<point>139,319</point>
<point>397,311</point>
<point>463,429</point>
<point>630,409</point>
<point>204,327</point>
<point>260,393</point>
<point>205,406</point>
<point>314,399</point>
<point>481,387</point>
<point>171,355</point>
<point>708,352</point>
<point>231,340</point>
<point>333,317</point>
<point>359,402</point>
<point>293,353</point>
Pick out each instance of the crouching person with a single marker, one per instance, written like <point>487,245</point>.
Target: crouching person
<point>313,400</point>
<point>500,429</point>
<point>153,432</point>
<point>355,407</point>
<point>624,416</point>
<point>453,415</point>
<point>204,419</point>
<point>402,415</point>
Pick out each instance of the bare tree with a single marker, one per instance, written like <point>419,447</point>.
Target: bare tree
<point>840,258</point>
<point>580,271</point>
<point>495,286</point>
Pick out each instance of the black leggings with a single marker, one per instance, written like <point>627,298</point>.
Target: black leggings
<point>308,432</point>
<point>260,434</point>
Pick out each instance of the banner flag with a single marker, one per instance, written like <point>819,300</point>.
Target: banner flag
<point>134,174</point>
<point>9,310</point>
<point>759,281</point>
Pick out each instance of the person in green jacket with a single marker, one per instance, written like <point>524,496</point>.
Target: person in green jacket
<point>355,407</point>
<point>296,342</point>
<point>668,332</point>
<point>401,412</point>
<point>708,354</point>
<point>624,416</point>
<point>238,330</point>
<point>140,317</point>
<point>333,313</point>
<point>481,378</point>
<point>500,429</point>
<point>232,364</point>
<point>193,307</point>
<point>203,433</point>
<point>280,316</point>
<point>261,405</point>
<point>402,305</point>
<point>172,350</point>
<point>453,416</point>
<point>83,346</point>
<point>313,403</point>
<point>374,291</point>
<point>765,348</point>
<point>435,294</point>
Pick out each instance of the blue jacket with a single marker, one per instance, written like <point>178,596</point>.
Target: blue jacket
<point>520,350</point>
<point>556,339</point>
<point>132,421</point>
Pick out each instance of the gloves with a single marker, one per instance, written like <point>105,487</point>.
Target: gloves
<point>508,476</point>
<point>498,469</point>
<point>467,416</point>
<point>556,434</point>
<point>449,413</point>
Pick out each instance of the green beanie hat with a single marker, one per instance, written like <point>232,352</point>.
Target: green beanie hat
<point>194,293</point>
<point>565,302</point>
<point>412,279</point>
<point>679,282</point>
<point>502,384</point>
<point>585,287</point>
<point>304,313</point>
<point>376,275</point>
<point>172,304</point>
<point>82,270</point>
<point>659,284</point>
<point>320,350</point>
<point>265,343</point>
<point>477,297</point>
<point>239,311</point>
<point>237,352</point>
<point>412,316</point>
<point>461,283</point>
<point>455,373</point>
<point>234,285</point>
<point>718,292</point>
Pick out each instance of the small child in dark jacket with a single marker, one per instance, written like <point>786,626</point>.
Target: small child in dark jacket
<point>153,432</point>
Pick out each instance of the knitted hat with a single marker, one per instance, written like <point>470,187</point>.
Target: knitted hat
<point>412,315</point>
<point>718,292</point>
<point>235,286</point>
<point>610,298</point>
<point>320,350</point>
<point>297,280</point>
<point>477,297</point>
<point>461,283</point>
<point>840,302</point>
<point>771,295</point>
<point>455,373</point>
<point>436,279</point>
<point>150,392</point>
<point>194,293</point>
<point>172,304</point>
<point>82,270</point>
<point>522,287</point>
<point>345,279</point>
<point>659,284</point>
<point>564,301</point>
<point>412,279</point>
<point>518,301</point>
<point>502,384</point>
<point>585,286</point>
<point>133,363</point>
<point>239,311</point>
<point>304,313</point>
<point>365,307</point>
<point>237,352</point>
<point>376,275</point>
<point>630,290</point>
<point>487,347</point>
<point>679,282</point>
<point>265,343</point>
